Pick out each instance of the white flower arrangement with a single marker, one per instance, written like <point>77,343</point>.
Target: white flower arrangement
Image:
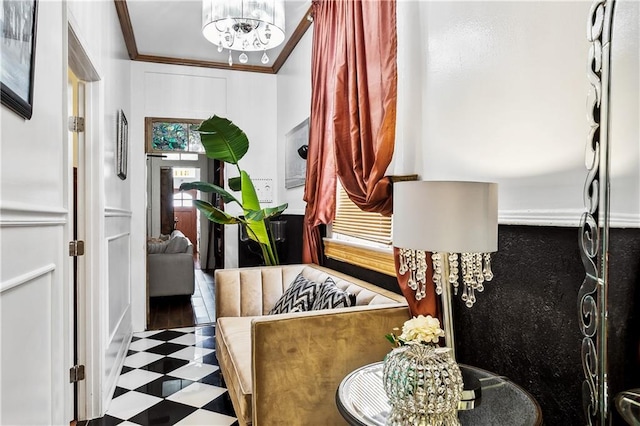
<point>418,330</point>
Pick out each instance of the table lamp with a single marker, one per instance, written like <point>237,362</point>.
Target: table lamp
<point>458,223</point>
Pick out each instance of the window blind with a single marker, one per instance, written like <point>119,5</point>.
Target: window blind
<point>352,221</point>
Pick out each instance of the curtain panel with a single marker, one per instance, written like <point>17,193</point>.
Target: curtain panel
<point>353,111</point>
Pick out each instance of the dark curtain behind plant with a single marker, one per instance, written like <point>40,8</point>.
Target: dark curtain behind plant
<point>353,111</point>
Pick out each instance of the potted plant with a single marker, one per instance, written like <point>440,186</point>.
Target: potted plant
<point>224,141</point>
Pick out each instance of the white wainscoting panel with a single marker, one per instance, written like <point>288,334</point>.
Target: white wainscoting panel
<point>27,351</point>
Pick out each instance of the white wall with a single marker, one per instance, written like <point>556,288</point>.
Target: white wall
<point>36,180</point>
<point>497,91</point>
<point>247,99</point>
<point>35,168</point>
<point>294,106</point>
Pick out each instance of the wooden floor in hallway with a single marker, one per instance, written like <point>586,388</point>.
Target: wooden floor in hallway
<point>185,311</point>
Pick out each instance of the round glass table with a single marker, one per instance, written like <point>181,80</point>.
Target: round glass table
<point>362,401</point>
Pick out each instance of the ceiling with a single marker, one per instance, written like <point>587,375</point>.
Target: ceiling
<point>170,32</point>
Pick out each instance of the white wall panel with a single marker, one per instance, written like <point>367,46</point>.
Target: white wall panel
<point>119,285</point>
<point>31,159</point>
<point>28,364</point>
<point>31,320</point>
<point>184,96</point>
<point>34,309</point>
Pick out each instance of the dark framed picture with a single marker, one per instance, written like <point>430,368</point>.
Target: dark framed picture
<point>122,145</point>
<point>296,146</point>
<point>18,21</point>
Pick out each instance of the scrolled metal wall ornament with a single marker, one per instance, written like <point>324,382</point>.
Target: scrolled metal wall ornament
<point>594,224</point>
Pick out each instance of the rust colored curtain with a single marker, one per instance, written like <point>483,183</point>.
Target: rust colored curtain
<point>353,111</point>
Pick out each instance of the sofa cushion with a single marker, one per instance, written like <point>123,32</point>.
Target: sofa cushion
<point>233,351</point>
<point>298,297</point>
<point>177,244</point>
<point>155,247</point>
<point>330,296</point>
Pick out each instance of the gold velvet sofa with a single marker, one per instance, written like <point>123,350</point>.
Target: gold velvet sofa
<point>285,369</point>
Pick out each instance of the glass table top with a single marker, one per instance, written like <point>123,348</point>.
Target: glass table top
<point>362,401</point>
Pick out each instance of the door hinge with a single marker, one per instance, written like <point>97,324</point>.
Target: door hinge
<point>76,124</point>
<point>76,248</point>
<point>76,373</point>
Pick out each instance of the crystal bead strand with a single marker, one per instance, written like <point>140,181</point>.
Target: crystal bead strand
<point>437,271</point>
<point>421,274</point>
<point>414,262</point>
<point>453,271</point>
<point>486,271</point>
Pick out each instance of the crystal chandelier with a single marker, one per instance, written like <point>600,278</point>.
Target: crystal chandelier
<point>244,25</point>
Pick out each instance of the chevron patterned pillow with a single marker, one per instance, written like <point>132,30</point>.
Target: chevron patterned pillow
<point>298,297</point>
<point>331,296</point>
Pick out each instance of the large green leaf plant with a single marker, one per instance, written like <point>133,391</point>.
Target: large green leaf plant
<point>224,141</point>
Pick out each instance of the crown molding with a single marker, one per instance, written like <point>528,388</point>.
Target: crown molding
<point>132,48</point>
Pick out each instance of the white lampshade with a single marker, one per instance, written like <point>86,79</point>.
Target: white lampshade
<point>446,216</point>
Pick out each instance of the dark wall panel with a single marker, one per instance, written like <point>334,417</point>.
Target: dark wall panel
<point>525,324</point>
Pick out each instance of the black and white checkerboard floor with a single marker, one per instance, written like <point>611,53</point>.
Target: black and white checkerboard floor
<point>171,377</point>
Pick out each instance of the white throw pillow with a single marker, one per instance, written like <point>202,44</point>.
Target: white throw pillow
<point>177,245</point>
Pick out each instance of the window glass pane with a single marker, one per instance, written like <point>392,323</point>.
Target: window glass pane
<point>195,145</point>
<point>170,136</point>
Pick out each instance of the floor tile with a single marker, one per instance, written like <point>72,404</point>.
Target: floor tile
<point>206,331</point>
<point>191,353</point>
<point>194,371</point>
<point>146,333</point>
<point>164,413</point>
<point>204,417</point>
<point>164,386</point>
<point>126,369</point>
<point>197,394</point>
<point>208,342</point>
<point>119,391</point>
<point>166,349</point>
<point>144,344</point>
<point>136,378</point>
<point>221,405</point>
<point>140,359</point>
<point>214,379</point>
<point>105,421</point>
<point>165,365</point>
<point>167,335</point>
<point>188,339</point>
<point>184,329</point>
<point>130,404</point>
<point>211,359</point>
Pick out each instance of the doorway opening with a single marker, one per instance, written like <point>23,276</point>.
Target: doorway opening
<point>171,209</point>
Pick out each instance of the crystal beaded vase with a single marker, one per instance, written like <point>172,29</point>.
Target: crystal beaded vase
<point>423,384</point>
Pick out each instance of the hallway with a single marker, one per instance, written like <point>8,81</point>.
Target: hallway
<point>170,375</point>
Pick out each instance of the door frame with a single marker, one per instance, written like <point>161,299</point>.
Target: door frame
<point>90,329</point>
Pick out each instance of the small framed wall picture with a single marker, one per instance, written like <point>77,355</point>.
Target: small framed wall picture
<point>122,145</point>
<point>17,69</point>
